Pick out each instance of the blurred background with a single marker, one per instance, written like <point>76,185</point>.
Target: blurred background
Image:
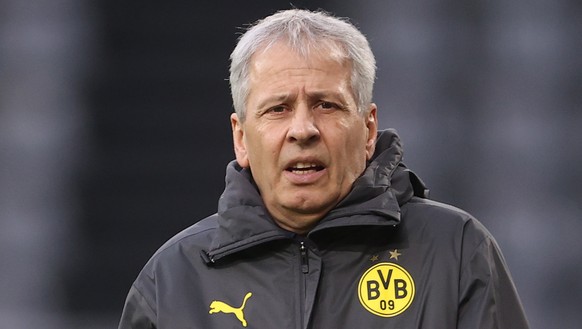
<point>114,135</point>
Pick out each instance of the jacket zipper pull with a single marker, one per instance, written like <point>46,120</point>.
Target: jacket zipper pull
<point>304,258</point>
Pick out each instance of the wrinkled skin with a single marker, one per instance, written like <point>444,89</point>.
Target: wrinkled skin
<point>302,137</point>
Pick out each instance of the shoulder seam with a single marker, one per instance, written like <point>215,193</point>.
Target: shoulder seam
<point>486,237</point>
<point>145,299</point>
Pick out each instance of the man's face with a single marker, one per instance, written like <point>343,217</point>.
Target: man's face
<point>302,137</point>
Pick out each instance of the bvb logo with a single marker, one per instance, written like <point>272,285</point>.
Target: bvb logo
<point>386,289</point>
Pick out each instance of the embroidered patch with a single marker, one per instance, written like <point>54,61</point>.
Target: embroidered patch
<point>218,306</point>
<point>386,289</point>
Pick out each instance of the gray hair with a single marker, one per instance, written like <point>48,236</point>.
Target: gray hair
<point>304,31</point>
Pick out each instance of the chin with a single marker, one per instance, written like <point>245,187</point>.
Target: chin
<point>311,213</point>
<point>303,225</point>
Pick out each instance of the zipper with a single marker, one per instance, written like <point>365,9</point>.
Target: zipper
<point>304,262</point>
<point>304,258</point>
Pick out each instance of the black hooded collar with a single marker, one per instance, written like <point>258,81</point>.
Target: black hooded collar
<point>375,199</point>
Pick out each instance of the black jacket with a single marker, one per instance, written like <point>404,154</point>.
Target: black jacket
<point>385,257</point>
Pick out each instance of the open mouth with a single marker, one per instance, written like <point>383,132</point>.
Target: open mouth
<point>304,168</point>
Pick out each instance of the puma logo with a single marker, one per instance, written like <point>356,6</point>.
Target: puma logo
<point>218,306</point>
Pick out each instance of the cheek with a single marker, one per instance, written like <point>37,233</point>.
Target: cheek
<point>262,148</point>
<point>354,154</point>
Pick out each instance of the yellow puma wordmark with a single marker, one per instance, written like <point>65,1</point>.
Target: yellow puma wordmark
<point>218,306</point>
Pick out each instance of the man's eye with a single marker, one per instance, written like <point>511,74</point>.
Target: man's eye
<point>277,109</point>
<point>328,105</point>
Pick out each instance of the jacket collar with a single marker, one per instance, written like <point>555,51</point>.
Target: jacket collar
<point>375,199</point>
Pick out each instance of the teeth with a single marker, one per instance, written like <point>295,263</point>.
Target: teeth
<point>302,172</point>
<point>304,168</point>
<point>303,165</point>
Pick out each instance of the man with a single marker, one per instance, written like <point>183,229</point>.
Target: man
<point>320,224</point>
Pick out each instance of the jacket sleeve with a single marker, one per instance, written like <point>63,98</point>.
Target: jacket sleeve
<point>137,313</point>
<point>488,298</point>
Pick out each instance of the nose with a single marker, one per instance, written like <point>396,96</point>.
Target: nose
<point>303,128</point>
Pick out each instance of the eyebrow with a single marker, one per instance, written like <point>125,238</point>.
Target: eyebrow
<point>284,97</point>
<point>326,94</point>
<point>278,98</point>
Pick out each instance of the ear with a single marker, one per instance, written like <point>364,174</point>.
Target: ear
<point>238,140</point>
<point>372,125</point>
